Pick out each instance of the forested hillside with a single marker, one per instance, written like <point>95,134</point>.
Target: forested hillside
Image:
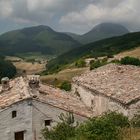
<point>104,47</point>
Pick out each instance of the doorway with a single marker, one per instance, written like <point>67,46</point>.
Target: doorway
<point>19,135</point>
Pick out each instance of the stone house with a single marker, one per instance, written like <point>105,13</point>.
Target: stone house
<point>110,88</point>
<point>27,106</point>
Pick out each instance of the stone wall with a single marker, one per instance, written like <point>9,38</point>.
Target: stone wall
<point>98,102</point>
<point>134,109</point>
<point>23,121</point>
<point>31,116</point>
<point>42,112</point>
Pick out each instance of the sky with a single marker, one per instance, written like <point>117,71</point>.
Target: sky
<point>77,16</point>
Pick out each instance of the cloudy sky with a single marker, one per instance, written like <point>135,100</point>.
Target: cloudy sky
<point>77,16</point>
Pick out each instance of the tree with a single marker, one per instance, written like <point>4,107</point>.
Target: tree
<point>118,119</point>
<point>99,128</point>
<point>105,127</point>
<point>63,130</point>
<point>7,69</point>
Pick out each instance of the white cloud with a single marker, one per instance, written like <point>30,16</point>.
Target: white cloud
<point>5,8</point>
<point>126,12</point>
<point>70,15</point>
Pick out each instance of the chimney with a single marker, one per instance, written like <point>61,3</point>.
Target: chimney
<point>33,81</point>
<point>5,83</point>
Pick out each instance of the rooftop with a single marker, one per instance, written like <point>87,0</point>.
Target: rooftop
<point>119,82</point>
<point>19,90</point>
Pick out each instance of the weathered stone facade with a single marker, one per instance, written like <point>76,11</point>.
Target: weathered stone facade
<point>28,107</point>
<point>23,122</point>
<point>98,103</point>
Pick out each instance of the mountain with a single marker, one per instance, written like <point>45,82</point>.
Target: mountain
<point>99,32</point>
<point>36,39</point>
<point>104,47</point>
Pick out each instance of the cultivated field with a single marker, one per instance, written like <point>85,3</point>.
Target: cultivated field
<point>29,68</point>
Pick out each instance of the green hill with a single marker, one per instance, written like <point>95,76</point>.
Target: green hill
<point>99,32</point>
<point>104,47</point>
<point>36,39</point>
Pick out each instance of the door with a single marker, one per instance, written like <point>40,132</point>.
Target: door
<point>19,135</point>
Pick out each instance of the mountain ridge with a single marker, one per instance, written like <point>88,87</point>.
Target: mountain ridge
<point>36,39</point>
<point>99,32</point>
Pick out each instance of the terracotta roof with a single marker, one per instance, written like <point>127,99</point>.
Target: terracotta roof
<point>20,90</point>
<point>119,82</point>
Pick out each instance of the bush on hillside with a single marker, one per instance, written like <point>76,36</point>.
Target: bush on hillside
<point>130,61</point>
<point>80,63</point>
<point>97,63</point>
<point>66,85</point>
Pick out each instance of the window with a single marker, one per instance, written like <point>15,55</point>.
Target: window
<point>48,122</point>
<point>14,114</point>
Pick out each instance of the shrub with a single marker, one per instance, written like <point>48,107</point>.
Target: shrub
<point>110,56</point>
<point>105,127</point>
<point>118,119</point>
<point>97,63</point>
<point>65,86</point>
<point>80,63</point>
<point>63,130</point>
<point>99,128</point>
<point>130,61</point>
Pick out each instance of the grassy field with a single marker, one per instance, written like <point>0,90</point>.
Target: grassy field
<point>132,53</point>
<point>29,67</point>
<point>65,75</point>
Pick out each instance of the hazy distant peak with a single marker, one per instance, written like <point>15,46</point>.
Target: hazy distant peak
<point>110,28</point>
<point>101,31</point>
